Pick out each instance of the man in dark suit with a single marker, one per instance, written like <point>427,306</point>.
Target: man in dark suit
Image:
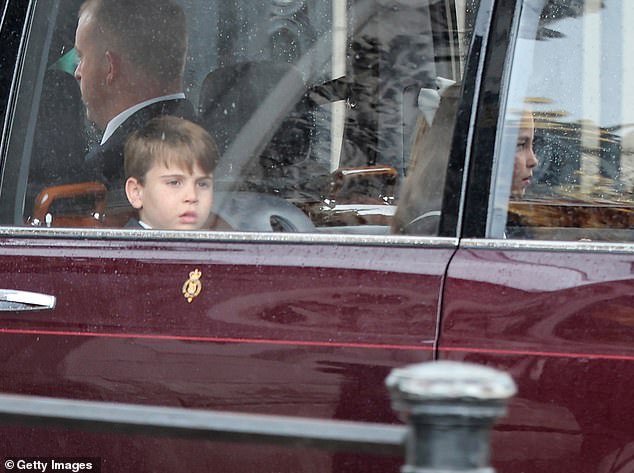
<point>131,63</point>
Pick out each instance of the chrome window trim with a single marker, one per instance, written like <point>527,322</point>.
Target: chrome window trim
<point>544,245</point>
<point>480,28</point>
<point>227,237</point>
<point>4,13</point>
<point>16,77</point>
<point>497,216</point>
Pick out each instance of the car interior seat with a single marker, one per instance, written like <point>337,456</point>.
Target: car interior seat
<point>229,97</point>
<point>59,143</point>
<point>423,188</point>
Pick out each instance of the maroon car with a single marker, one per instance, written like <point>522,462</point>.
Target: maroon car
<point>401,181</point>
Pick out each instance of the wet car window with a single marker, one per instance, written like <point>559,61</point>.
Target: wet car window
<point>319,111</point>
<point>569,85</point>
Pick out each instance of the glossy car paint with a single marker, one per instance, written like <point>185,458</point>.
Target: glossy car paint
<point>312,329</point>
<point>554,315</point>
<point>306,330</point>
<point>560,322</point>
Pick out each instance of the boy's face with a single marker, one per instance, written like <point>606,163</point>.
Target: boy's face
<point>171,198</point>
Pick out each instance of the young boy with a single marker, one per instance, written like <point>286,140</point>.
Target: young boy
<point>168,167</point>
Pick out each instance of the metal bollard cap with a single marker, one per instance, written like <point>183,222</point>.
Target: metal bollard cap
<point>450,381</point>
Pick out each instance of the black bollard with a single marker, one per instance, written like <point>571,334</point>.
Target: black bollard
<point>450,408</point>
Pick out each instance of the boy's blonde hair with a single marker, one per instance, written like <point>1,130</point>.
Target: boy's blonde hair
<point>169,141</point>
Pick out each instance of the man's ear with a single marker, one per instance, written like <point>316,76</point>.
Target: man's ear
<point>134,192</point>
<point>114,66</point>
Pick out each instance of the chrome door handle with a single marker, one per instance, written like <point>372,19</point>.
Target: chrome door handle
<point>12,300</point>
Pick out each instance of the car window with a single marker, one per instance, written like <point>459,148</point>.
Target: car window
<point>569,82</point>
<point>320,112</point>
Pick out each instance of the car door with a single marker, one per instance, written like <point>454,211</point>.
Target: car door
<point>542,285</point>
<point>258,321</point>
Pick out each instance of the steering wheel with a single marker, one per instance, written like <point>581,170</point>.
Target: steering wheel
<point>255,212</point>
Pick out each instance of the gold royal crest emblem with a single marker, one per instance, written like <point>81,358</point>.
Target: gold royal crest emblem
<point>192,286</point>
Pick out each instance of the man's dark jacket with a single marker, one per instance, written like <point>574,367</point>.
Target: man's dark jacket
<point>104,163</point>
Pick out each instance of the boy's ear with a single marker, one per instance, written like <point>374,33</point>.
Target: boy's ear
<point>134,192</point>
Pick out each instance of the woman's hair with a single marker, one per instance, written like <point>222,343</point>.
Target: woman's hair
<point>169,140</point>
